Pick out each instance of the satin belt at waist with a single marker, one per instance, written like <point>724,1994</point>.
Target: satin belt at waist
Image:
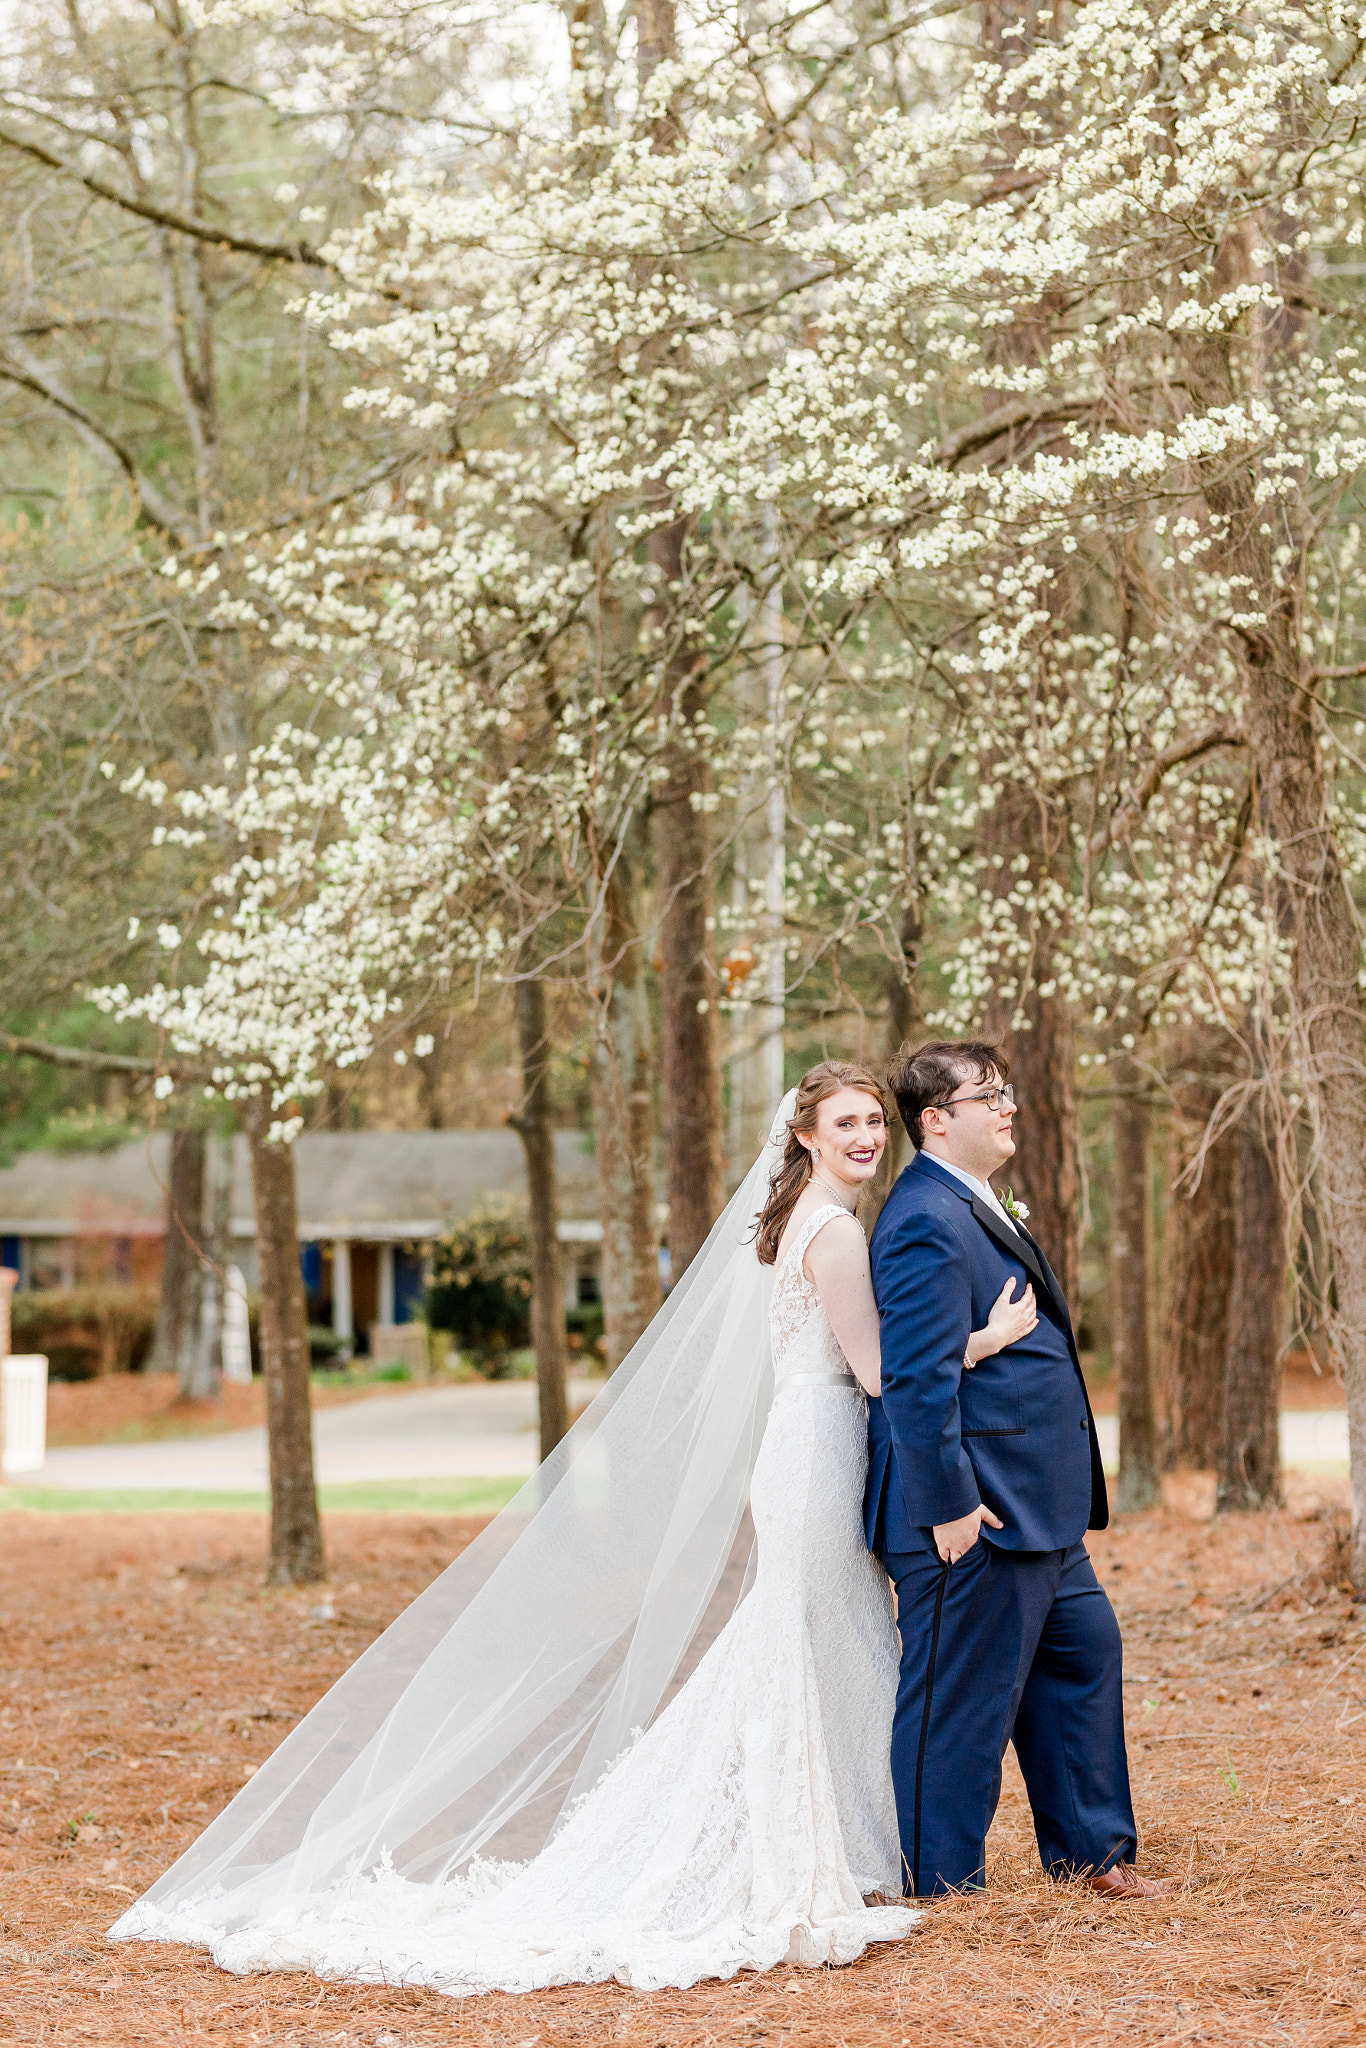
<point>816,1379</point>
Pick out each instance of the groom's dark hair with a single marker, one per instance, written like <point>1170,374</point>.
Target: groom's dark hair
<point>926,1075</point>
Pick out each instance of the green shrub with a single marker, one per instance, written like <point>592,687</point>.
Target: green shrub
<point>85,1331</point>
<point>481,1283</point>
<point>587,1323</point>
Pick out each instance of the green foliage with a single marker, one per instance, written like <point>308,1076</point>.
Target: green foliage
<point>324,1345</point>
<point>85,1331</point>
<point>88,1130</point>
<point>586,1323</point>
<point>61,1109</point>
<point>481,1284</point>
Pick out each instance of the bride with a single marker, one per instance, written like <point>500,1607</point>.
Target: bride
<point>633,1732</point>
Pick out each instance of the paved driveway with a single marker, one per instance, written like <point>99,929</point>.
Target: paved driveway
<point>1312,1439</point>
<point>477,1431</point>
<point>468,1432</point>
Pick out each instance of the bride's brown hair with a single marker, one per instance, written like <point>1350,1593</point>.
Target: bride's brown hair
<point>794,1170</point>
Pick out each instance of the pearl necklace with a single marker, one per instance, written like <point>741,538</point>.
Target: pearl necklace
<point>836,1193</point>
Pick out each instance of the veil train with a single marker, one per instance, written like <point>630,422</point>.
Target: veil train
<point>492,1704</point>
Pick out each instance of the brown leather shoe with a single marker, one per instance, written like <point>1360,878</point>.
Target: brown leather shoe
<point>1121,1882</point>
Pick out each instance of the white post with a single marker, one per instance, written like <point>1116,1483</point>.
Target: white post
<point>386,1283</point>
<point>236,1329</point>
<point>23,1415</point>
<point>342,1324</point>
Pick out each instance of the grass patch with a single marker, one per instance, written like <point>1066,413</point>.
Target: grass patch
<point>424,1496</point>
<point>398,1496</point>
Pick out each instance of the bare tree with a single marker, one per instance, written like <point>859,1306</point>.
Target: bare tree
<point>1285,729</point>
<point>295,1530</point>
<point>1035,1022</point>
<point>296,1542</point>
<point>1197,1264</point>
<point>1043,1070</point>
<point>175,1343</point>
<point>1249,1464</point>
<point>534,1125</point>
<point>690,1066</point>
<point>206,1376</point>
<point>623,1116</point>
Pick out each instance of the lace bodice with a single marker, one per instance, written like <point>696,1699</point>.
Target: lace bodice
<point>803,1340</point>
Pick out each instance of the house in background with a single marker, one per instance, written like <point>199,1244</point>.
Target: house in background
<point>371,1206</point>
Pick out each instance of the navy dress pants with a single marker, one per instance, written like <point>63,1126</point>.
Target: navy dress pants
<point>1007,1645</point>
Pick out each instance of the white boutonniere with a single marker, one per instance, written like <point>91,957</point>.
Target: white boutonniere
<point>1013,1208</point>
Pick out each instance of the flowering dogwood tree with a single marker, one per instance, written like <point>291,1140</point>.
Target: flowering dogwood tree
<point>1023,381</point>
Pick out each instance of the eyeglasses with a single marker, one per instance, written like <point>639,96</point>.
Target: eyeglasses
<point>993,1098</point>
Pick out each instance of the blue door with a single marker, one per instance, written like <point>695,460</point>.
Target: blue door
<point>409,1289</point>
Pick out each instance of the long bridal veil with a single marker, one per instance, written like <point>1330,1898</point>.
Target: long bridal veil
<point>478,1719</point>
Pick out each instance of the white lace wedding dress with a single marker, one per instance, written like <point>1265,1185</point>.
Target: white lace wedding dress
<point>746,1825</point>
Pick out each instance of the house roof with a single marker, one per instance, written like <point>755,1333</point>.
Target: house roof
<point>352,1184</point>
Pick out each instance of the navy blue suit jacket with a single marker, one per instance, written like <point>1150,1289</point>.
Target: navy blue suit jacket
<point>1016,1432</point>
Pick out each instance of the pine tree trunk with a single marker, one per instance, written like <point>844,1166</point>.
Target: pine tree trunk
<point>690,1060</point>
<point>178,1307</point>
<point>1139,1486</point>
<point>903,1017</point>
<point>623,1119</point>
<point>1041,1053</point>
<point>296,1542</point>
<point>536,1131</point>
<point>1197,1279</point>
<point>689,1041</point>
<point>1022,824</point>
<point>1281,717</point>
<point>1044,1170</point>
<point>690,1066</point>
<point>1249,1444</point>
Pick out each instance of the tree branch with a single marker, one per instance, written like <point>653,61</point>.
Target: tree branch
<point>1305,299</point>
<point>1337,675</point>
<point>1174,756</point>
<point>92,1062</point>
<point>1023,413</point>
<point>1235,855</point>
<point>64,323</point>
<point>31,375</point>
<point>165,216</point>
<point>929,11</point>
<point>1181,751</point>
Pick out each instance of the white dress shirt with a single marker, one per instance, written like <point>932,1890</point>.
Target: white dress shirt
<point>979,1187</point>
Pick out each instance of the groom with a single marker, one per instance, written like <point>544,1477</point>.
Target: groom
<point>981,1484</point>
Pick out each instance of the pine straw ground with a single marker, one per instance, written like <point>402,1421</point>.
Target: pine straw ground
<point>143,1672</point>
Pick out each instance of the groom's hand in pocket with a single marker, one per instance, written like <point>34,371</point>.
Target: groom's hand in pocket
<point>955,1539</point>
